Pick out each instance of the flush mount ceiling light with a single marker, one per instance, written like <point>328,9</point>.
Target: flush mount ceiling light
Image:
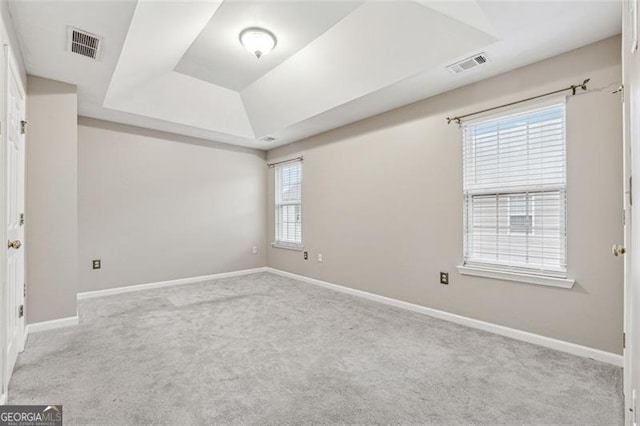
<point>258,41</point>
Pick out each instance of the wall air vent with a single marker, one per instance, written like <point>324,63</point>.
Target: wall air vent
<point>83,43</point>
<point>267,139</point>
<point>467,64</point>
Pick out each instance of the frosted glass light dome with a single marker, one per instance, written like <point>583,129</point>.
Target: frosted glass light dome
<point>258,41</point>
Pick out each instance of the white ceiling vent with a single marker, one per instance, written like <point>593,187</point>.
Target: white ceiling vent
<point>83,43</point>
<point>267,139</point>
<point>467,64</point>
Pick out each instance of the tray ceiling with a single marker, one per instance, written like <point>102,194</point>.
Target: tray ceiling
<point>179,66</point>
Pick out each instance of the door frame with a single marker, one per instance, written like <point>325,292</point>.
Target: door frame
<point>626,205</point>
<point>3,232</point>
<point>631,168</point>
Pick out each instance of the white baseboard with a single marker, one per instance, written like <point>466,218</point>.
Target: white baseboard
<point>51,325</point>
<point>160,284</point>
<point>513,333</point>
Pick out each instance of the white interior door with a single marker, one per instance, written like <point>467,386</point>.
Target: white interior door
<point>631,115</point>
<point>15,259</point>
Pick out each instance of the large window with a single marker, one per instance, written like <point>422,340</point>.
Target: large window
<point>515,191</point>
<point>288,185</point>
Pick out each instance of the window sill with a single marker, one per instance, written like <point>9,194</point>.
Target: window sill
<point>294,247</point>
<point>512,276</point>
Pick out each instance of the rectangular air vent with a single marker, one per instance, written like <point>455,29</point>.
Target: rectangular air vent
<point>267,139</point>
<point>467,64</point>
<point>83,43</point>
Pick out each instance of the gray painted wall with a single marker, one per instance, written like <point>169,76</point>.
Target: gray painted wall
<point>382,202</point>
<point>51,200</point>
<point>155,206</point>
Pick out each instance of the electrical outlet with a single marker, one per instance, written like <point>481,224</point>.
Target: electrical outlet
<point>319,257</point>
<point>306,255</point>
<point>254,250</point>
<point>97,264</point>
<point>444,278</point>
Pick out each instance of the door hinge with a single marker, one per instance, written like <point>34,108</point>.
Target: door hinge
<point>23,126</point>
<point>624,340</point>
<point>24,290</point>
<point>630,190</point>
<point>21,219</point>
<point>21,311</point>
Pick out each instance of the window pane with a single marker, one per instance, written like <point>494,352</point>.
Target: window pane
<point>536,240</point>
<point>517,151</point>
<point>290,224</point>
<point>290,178</point>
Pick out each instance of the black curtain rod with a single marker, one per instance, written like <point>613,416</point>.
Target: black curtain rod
<point>573,88</point>
<point>271,165</point>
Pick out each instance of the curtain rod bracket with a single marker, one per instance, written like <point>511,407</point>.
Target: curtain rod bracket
<point>582,86</point>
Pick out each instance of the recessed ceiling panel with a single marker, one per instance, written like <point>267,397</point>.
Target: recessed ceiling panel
<point>217,56</point>
<point>378,44</point>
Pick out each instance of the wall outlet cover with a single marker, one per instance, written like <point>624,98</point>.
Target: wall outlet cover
<point>444,278</point>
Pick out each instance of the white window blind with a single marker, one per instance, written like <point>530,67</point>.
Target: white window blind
<point>288,185</point>
<point>515,191</point>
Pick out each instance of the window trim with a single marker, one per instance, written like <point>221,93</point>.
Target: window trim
<point>504,272</point>
<point>287,245</point>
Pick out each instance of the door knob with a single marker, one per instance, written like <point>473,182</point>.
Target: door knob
<point>15,244</point>
<point>618,250</point>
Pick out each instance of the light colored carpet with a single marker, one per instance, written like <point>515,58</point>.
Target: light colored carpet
<point>263,349</point>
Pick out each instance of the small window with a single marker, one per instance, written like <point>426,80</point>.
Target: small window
<point>515,191</point>
<point>288,202</point>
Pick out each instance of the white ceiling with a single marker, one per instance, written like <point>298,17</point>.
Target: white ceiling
<point>178,66</point>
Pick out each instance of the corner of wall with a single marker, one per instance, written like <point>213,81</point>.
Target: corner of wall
<point>51,201</point>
